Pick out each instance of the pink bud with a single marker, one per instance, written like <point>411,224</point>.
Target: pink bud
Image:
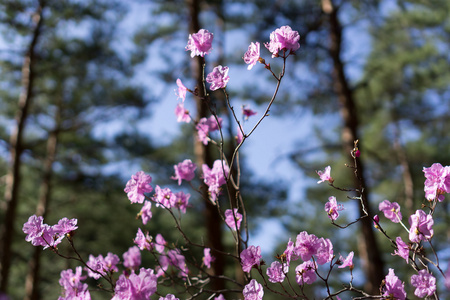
<point>357,153</point>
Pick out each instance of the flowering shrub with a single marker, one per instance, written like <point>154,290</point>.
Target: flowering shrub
<point>317,255</point>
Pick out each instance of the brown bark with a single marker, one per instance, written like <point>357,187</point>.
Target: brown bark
<point>203,156</point>
<point>33,276</point>
<point>369,250</point>
<point>16,148</point>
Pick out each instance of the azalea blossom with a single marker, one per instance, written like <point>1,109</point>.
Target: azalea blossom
<point>391,210</point>
<point>135,286</point>
<point>276,272</point>
<point>132,258</point>
<point>215,177</point>
<point>325,175</point>
<point>73,287</point>
<point>437,181</point>
<point>250,257</point>
<point>283,38</point>
<point>145,213</point>
<point>347,262</point>
<point>181,90</point>
<point>247,112</point>
<point>218,78</point>
<point>306,272</point>
<point>185,170</point>
<point>402,249</point>
<point>200,43</point>
<point>137,186</point>
<point>332,208</point>
<point>182,113</point>
<point>425,284</point>
<point>393,287</point>
<point>252,56</point>
<point>38,233</point>
<point>421,226</point>
<point>143,241</point>
<point>207,257</point>
<point>253,291</point>
<point>233,219</point>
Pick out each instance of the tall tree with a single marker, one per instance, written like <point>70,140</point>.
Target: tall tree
<point>13,176</point>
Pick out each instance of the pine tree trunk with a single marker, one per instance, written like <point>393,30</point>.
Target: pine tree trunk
<point>212,218</point>
<point>369,251</point>
<point>16,148</point>
<point>33,276</point>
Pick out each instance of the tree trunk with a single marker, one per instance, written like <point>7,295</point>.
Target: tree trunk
<point>16,148</point>
<point>369,252</point>
<point>33,276</point>
<point>203,156</point>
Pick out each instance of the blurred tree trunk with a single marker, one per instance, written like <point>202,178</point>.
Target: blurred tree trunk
<point>16,148</point>
<point>368,249</point>
<point>203,156</point>
<point>33,277</point>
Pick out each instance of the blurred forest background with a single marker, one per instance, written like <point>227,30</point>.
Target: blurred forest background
<point>87,99</point>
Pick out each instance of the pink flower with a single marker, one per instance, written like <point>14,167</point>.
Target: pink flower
<point>132,258</point>
<point>64,227</point>
<point>164,197</point>
<point>177,260</point>
<point>250,257</point>
<point>181,201</point>
<point>110,262</point>
<point>220,297</point>
<point>204,126</point>
<point>247,112</point>
<point>393,287</point>
<point>207,258</point>
<point>137,186</point>
<point>146,213</point>
<point>184,171</point>
<point>391,210</point>
<point>200,43</point>
<point>96,266</point>
<point>135,286</point>
<point>289,253</point>
<point>239,135</point>
<point>306,245</point>
<point>214,178</point>
<point>218,78</point>
<point>283,38</point>
<point>143,241</point>
<point>230,219</point>
<point>347,262</point>
<point>182,113</point>
<point>437,181</point>
<point>253,291</point>
<point>38,233</point>
<point>306,272</point>
<point>421,226</point>
<point>324,251</point>
<point>160,243</point>
<point>251,57</point>
<point>325,175</point>
<point>181,91</point>
<point>402,249</point>
<point>425,284</point>
<point>332,208</point>
<point>73,286</point>
<point>276,272</point>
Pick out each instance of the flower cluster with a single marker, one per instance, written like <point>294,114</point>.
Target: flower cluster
<point>215,177</point>
<point>205,126</point>
<point>40,234</point>
<point>137,282</point>
<point>437,181</point>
